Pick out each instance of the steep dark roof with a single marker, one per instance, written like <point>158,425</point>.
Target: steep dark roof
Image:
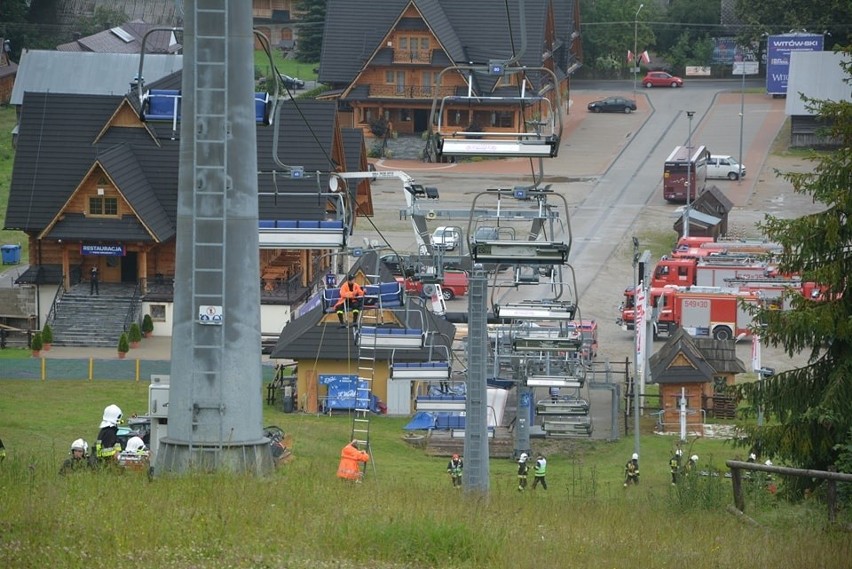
<point>61,137</point>
<point>307,337</point>
<point>121,165</point>
<point>662,363</point>
<point>56,148</point>
<point>466,30</point>
<point>720,354</point>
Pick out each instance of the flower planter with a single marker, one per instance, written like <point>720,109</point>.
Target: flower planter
<point>122,355</point>
<point>46,347</point>
<point>134,345</point>
<point>36,353</point>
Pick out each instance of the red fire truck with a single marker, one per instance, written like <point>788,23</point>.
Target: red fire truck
<point>699,247</point>
<point>708,271</point>
<point>712,312</point>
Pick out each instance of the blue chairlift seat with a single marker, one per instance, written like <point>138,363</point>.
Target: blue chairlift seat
<point>382,295</point>
<point>390,338</point>
<point>165,105</point>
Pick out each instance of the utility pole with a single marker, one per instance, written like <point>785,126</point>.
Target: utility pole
<point>636,46</point>
<point>636,354</point>
<point>742,113</point>
<point>688,175</point>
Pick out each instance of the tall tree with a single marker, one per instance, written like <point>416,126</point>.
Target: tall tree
<point>811,407</point>
<point>312,23</point>
<point>780,16</point>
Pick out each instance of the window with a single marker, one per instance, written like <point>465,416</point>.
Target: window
<point>158,312</point>
<point>100,205</point>
<point>389,77</point>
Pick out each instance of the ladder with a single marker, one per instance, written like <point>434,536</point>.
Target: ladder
<point>366,370</point>
<point>209,164</point>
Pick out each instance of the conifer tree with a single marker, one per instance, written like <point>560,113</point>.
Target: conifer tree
<point>809,409</point>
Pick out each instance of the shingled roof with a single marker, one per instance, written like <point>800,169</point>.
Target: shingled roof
<point>309,337</point>
<point>62,137</point>
<point>468,33</point>
<point>684,359</point>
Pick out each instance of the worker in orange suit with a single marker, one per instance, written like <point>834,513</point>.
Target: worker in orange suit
<point>350,456</point>
<point>351,295</point>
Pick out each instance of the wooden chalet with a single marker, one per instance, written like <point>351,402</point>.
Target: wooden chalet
<point>699,369</point>
<point>383,60</point>
<point>94,184</point>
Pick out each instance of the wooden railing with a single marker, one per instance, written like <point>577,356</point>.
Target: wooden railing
<point>412,56</point>
<point>410,91</point>
<point>831,479</point>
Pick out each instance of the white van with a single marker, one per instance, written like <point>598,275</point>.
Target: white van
<point>719,166</point>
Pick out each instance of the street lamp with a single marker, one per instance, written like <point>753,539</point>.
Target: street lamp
<point>742,114</point>
<point>636,354</point>
<point>636,46</point>
<point>688,175</point>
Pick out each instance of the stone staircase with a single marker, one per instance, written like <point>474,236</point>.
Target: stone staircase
<point>92,321</point>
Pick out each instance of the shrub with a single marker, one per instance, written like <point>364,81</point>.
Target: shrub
<point>147,324</point>
<point>47,334</point>
<point>135,333</point>
<point>37,342</point>
<point>123,344</point>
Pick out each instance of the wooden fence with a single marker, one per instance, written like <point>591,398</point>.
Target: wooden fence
<point>832,478</point>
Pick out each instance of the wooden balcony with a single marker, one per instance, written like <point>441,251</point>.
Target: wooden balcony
<point>421,56</point>
<point>410,91</point>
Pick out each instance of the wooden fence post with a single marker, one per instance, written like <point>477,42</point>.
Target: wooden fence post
<point>737,481</point>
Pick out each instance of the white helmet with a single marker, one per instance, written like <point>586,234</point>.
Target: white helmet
<point>678,452</point>
<point>80,444</point>
<point>523,458</point>
<point>635,456</point>
<point>694,458</point>
<point>135,444</point>
<point>768,462</point>
<point>752,456</point>
<point>112,416</point>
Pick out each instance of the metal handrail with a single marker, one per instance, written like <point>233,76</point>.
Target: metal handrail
<point>132,310</point>
<point>54,306</point>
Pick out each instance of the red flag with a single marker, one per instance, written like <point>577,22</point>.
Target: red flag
<point>645,57</point>
<point>629,55</point>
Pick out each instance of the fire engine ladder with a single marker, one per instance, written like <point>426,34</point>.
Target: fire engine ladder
<point>209,227</point>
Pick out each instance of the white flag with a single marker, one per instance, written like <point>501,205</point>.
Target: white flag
<point>755,353</point>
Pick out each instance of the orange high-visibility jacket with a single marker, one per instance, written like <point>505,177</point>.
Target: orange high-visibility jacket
<point>349,468</point>
<point>348,292</point>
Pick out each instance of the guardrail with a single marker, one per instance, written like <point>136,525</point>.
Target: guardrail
<point>831,479</point>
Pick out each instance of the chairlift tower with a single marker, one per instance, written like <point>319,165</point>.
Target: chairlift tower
<point>215,406</point>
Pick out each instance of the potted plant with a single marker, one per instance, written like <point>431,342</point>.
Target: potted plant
<point>123,346</point>
<point>36,344</point>
<point>47,336</point>
<point>147,325</point>
<point>134,335</point>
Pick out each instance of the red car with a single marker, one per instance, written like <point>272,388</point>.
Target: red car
<point>661,79</point>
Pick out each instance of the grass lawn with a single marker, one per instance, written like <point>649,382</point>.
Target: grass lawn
<point>7,159</point>
<point>404,515</point>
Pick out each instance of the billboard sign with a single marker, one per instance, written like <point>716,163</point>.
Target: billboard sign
<point>778,49</point>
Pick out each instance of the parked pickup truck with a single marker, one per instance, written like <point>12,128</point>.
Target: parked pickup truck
<point>455,284</point>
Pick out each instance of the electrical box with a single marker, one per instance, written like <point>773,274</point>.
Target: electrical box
<point>158,396</point>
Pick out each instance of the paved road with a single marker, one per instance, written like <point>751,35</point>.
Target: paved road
<point>609,169</point>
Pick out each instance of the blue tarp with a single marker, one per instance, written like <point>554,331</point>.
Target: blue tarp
<point>421,421</point>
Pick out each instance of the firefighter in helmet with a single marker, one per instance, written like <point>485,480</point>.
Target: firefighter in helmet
<point>108,446</point>
<point>78,459</point>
